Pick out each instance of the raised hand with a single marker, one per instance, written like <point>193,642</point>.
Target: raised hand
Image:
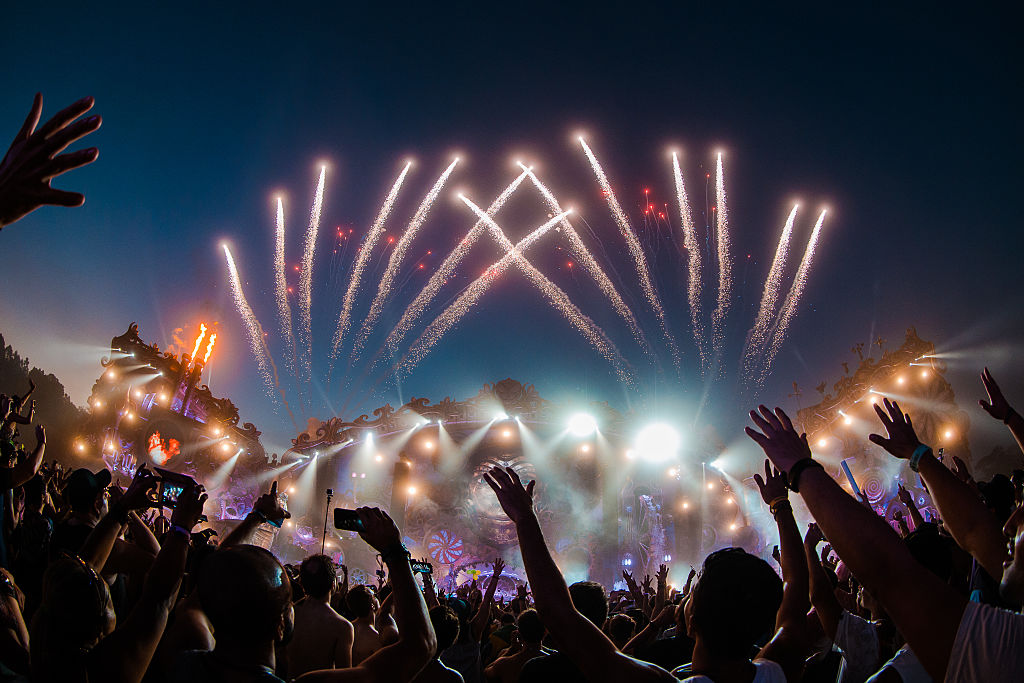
<point>31,162</point>
<point>662,575</point>
<point>269,505</point>
<point>497,568</point>
<point>40,434</point>
<point>665,617</point>
<point>515,499</point>
<point>779,440</point>
<point>997,406</point>
<point>646,583</point>
<point>630,581</point>
<point>773,486</point>
<point>902,441</point>
<point>379,530</point>
<point>141,492</point>
<point>904,495</point>
<point>961,471</point>
<point>189,507</point>
<point>813,536</point>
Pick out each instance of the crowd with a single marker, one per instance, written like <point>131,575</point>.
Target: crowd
<point>94,587</point>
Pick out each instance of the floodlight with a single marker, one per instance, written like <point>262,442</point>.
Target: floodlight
<point>582,424</point>
<point>657,441</point>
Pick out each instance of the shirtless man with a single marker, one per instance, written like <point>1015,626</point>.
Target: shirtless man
<point>370,636</point>
<point>323,638</point>
<point>529,633</point>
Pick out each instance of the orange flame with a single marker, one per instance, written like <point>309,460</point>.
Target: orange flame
<point>209,347</point>
<point>199,339</point>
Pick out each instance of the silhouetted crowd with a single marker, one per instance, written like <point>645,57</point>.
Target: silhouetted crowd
<point>97,588</point>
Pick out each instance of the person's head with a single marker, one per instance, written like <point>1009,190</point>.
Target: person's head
<point>247,596</point>
<point>318,575</point>
<point>589,600</point>
<point>733,603</point>
<point>620,629</point>
<point>999,495</point>
<point>35,493</point>
<point>75,614</point>
<point>362,602</point>
<point>507,618</point>
<point>932,551</point>
<point>1011,588</point>
<point>531,630</point>
<point>446,626</point>
<point>86,492</point>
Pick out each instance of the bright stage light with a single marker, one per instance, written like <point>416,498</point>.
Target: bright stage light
<point>412,490</point>
<point>585,448</point>
<point>924,374</point>
<point>673,472</point>
<point>710,486</point>
<point>822,442</point>
<point>429,445</point>
<point>686,506</point>
<point>291,489</point>
<point>379,458</point>
<point>216,431</point>
<point>901,380</point>
<point>111,374</point>
<point>657,442</point>
<point>507,433</point>
<point>500,415</point>
<point>730,501</point>
<point>732,527</point>
<point>949,434</point>
<point>848,420</point>
<point>138,393</point>
<point>582,424</point>
<point>630,453</point>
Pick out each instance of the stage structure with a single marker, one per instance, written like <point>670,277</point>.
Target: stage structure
<point>603,506</point>
<point>149,408</point>
<point>838,426</point>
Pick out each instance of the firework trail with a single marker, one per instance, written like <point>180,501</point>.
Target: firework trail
<point>792,299</point>
<point>759,333</point>
<point>284,309</point>
<point>387,281</point>
<point>199,340</point>
<point>469,296</point>
<point>362,256</point>
<point>257,342</point>
<point>635,249</point>
<point>693,283</point>
<point>724,262</point>
<point>306,279</point>
<point>209,348</point>
<point>447,268</point>
<point>584,256</point>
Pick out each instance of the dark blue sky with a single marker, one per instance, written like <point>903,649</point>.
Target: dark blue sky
<point>904,121</point>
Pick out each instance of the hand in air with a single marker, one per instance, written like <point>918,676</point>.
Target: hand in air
<point>773,486</point>
<point>515,499</point>
<point>269,505</point>
<point>777,438</point>
<point>902,439</point>
<point>32,163</point>
<point>997,406</point>
<point>189,506</point>
<point>379,530</point>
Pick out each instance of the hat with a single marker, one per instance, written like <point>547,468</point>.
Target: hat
<point>83,486</point>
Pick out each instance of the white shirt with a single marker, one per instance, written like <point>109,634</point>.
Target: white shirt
<point>988,646</point>
<point>906,664</point>
<point>858,640</point>
<point>767,671</point>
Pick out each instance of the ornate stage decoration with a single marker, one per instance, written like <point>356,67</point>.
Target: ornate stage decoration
<point>148,407</point>
<point>838,425</point>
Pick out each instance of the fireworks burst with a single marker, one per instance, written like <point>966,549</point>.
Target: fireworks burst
<point>635,250</point>
<point>284,309</point>
<point>693,283</point>
<point>758,334</point>
<point>724,264</point>
<point>306,280</point>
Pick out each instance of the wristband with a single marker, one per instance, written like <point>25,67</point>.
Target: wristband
<point>781,505</point>
<point>399,549</point>
<point>262,517</point>
<point>777,500</point>
<point>182,530</point>
<point>797,469</point>
<point>120,513</point>
<point>919,453</point>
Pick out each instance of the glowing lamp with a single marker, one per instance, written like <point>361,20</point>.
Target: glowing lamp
<point>412,490</point>
<point>686,506</point>
<point>924,374</point>
<point>507,433</point>
<point>582,424</point>
<point>111,374</point>
<point>949,434</point>
<point>291,489</point>
<point>732,527</point>
<point>900,380</point>
<point>657,442</point>
<point>822,442</point>
<point>429,445</point>
<point>848,420</point>
<point>379,458</point>
<point>710,486</point>
<point>585,448</point>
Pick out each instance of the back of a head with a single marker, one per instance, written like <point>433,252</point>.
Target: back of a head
<point>621,627</point>
<point>318,575</point>
<point>530,627</point>
<point>589,599</point>
<point>35,492</point>
<point>446,626</point>
<point>735,602</point>
<point>244,591</point>
<point>932,551</point>
<point>360,601</point>
<point>999,495</point>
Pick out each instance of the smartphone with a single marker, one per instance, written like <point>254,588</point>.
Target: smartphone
<point>422,567</point>
<point>171,485</point>
<point>347,520</point>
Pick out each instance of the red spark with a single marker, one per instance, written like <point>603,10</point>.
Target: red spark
<point>391,240</point>
<point>421,266</point>
<point>661,215</point>
<point>569,263</point>
<point>429,253</point>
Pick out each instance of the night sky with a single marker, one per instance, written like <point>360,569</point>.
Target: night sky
<point>904,122</point>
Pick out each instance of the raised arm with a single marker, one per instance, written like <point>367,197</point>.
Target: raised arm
<point>27,468</point>
<point>908,499</point>
<point>823,596</point>
<point>483,615</point>
<point>998,407</point>
<point>789,645</point>
<point>267,508</point>
<point>582,641</point>
<point>963,513</point>
<point>124,655</point>
<point>403,659</point>
<point>100,542</point>
<point>925,610</point>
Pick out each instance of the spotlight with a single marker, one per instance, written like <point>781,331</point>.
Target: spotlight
<point>429,445</point>
<point>138,393</point>
<point>630,453</point>
<point>291,489</point>
<point>848,420</point>
<point>80,447</point>
<point>673,472</point>
<point>730,501</point>
<point>500,415</point>
<point>163,397</point>
<point>822,442</point>
<point>686,506</point>
<point>924,374</point>
<point>412,490</point>
<point>582,424</point>
<point>379,458</point>
<point>369,437</point>
<point>732,527</point>
<point>710,486</point>
<point>948,434</point>
<point>111,374</point>
<point>507,433</point>
<point>216,431</point>
<point>585,448</point>
<point>900,380</point>
<point>657,442</point>
<point>667,558</point>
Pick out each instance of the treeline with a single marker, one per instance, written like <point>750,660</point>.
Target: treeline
<point>54,407</point>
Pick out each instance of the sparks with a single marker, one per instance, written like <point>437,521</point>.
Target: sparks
<point>769,298</point>
<point>306,278</point>
<point>635,249</point>
<point>391,272</point>
<point>693,260</point>
<point>724,262</point>
<point>281,289</point>
<point>199,340</point>
<point>209,347</point>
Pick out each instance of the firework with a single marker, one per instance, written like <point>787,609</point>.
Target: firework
<point>635,250</point>
<point>362,257</point>
<point>693,285</point>
<point>306,278</point>
<point>387,281</point>
<point>284,309</point>
<point>469,296</point>
<point>584,256</point>
<point>789,306</point>
<point>257,343</point>
<point>758,334</point>
<point>413,312</point>
<point>724,262</point>
<point>209,348</point>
